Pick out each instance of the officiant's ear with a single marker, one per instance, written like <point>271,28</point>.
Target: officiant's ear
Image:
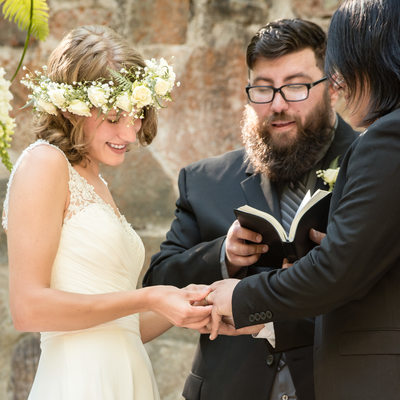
<point>333,93</point>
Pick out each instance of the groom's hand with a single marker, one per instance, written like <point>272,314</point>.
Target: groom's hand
<point>227,328</point>
<point>221,299</point>
<point>316,236</point>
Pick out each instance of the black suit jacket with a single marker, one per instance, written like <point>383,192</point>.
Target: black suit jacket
<point>352,278</point>
<point>233,368</point>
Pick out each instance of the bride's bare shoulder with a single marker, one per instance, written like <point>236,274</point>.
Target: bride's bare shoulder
<point>40,164</point>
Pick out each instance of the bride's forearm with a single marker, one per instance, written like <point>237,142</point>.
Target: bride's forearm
<point>152,325</point>
<point>47,309</point>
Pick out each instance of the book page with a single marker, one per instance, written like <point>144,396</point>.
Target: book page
<point>305,200</point>
<point>305,205</point>
<point>268,217</point>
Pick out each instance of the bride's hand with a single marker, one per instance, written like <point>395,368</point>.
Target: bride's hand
<point>201,289</point>
<point>179,306</point>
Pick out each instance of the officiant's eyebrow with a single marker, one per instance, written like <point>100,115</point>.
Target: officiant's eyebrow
<point>288,78</point>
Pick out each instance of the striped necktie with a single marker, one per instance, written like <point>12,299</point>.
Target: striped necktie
<point>291,198</point>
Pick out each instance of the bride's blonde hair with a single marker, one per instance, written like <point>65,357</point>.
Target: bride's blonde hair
<point>88,53</point>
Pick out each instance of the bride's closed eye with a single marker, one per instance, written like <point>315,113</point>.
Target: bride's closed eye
<point>113,120</point>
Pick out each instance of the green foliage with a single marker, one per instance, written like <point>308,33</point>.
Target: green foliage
<point>19,11</point>
<point>5,139</point>
<point>122,81</point>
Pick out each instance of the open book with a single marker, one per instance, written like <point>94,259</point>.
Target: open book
<point>312,213</point>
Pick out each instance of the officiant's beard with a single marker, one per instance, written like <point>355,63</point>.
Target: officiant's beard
<point>290,161</point>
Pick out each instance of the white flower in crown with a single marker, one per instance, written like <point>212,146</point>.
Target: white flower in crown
<point>46,106</point>
<point>79,107</point>
<point>141,96</point>
<point>124,102</point>
<point>161,87</point>
<point>98,96</point>
<point>57,96</point>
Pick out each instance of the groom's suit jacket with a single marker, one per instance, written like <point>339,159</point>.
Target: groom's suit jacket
<point>352,280</point>
<point>231,368</point>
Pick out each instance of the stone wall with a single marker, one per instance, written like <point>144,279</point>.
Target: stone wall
<point>208,39</point>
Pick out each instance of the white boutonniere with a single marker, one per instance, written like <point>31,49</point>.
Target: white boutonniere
<point>329,175</point>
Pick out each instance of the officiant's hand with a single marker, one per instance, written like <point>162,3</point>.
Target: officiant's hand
<point>316,236</point>
<point>242,248</point>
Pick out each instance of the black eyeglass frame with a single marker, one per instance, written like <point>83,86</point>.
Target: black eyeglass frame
<point>279,90</point>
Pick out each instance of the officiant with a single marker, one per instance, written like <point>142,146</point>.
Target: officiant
<point>290,131</point>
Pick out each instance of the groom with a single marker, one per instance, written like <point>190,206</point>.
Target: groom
<point>290,130</point>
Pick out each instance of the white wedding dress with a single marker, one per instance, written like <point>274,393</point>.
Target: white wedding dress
<point>99,252</point>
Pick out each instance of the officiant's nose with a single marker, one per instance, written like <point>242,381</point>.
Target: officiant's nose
<point>279,104</point>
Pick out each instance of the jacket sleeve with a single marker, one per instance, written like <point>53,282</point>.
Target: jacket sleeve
<point>184,257</point>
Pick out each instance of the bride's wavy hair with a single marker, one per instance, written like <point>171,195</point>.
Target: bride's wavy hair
<point>88,53</point>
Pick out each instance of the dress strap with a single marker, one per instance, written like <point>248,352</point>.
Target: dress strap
<point>39,142</point>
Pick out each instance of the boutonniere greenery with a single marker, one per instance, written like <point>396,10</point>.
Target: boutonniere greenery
<point>329,175</point>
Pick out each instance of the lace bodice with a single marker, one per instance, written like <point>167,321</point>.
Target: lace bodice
<point>82,193</point>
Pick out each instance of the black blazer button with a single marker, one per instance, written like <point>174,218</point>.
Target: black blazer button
<point>257,316</point>
<point>263,315</point>
<point>268,314</point>
<point>270,359</point>
<point>252,318</point>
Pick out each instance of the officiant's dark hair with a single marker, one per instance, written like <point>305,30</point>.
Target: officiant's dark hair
<point>363,53</point>
<point>286,36</point>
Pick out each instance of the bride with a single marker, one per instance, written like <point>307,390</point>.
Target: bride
<point>74,260</point>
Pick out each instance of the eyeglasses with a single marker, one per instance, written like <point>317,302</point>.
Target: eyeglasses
<point>291,92</point>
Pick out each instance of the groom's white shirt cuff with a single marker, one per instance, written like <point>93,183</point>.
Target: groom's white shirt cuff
<point>268,332</point>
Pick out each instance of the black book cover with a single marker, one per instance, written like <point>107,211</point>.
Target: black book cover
<point>315,215</point>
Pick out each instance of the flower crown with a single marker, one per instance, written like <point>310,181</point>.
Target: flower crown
<point>131,91</point>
